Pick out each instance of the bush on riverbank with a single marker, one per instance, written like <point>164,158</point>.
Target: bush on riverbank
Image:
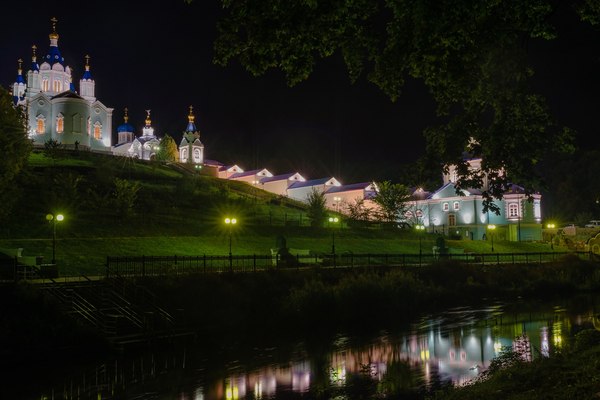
<point>573,374</point>
<point>295,301</point>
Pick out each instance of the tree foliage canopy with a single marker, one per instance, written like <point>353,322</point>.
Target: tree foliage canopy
<point>168,149</point>
<point>316,211</point>
<point>472,56</point>
<point>391,199</point>
<point>15,147</point>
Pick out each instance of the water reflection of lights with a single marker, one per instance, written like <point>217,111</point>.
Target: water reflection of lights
<point>235,388</point>
<point>435,350</point>
<point>338,375</point>
<point>258,390</point>
<point>557,334</point>
<point>544,342</point>
<point>497,347</point>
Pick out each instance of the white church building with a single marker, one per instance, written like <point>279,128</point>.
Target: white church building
<point>55,111</point>
<point>191,149</point>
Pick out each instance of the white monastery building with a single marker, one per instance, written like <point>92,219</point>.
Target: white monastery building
<point>54,110</point>
<point>78,120</point>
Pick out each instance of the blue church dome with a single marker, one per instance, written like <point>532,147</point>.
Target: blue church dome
<point>126,127</point>
<point>54,56</point>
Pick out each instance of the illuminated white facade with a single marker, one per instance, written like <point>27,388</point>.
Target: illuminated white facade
<point>278,184</point>
<point>191,149</point>
<point>252,177</point>
<point>301,190</point>
<point>146,146</point>
<point>54,110</point>
<point>461,214</point>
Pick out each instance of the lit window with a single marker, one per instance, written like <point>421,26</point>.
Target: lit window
<point>513,210</point>
<point>89,126</point>
<point>445,207</point>
<point>57,86</point>
<point>456,206</point>
<point>97,130</point>
<point>60,123</point>
<point>45,85</point>
<point>40,122</point>
<point>537,212</point>
<point>451,219</point>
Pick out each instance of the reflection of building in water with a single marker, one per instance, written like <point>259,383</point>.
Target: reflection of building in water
<point>522,346</point>
<point>433,353</point>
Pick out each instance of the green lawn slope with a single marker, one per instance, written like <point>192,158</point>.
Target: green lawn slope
<point>177,211</point>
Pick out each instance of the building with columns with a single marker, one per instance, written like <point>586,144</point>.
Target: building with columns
<point>55,111</point>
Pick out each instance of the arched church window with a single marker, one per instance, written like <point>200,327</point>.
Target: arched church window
<point>40,127</point>
<point>60,123</point>
<point>89,126</point>
<point>57,86</point>
<point>45,84</point>
<point>184,155</point>
<point>197,155</point>
<point>97,130</point>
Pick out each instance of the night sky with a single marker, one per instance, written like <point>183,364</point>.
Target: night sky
<point>158,56</point>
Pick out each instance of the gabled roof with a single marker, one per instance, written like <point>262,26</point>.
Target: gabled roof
<point>213,163</point>
<point>68,94</point>
<point>449,190</point>
<point>282,177</point>
<point>419,193</point>
<point>350,188</point>
<point>146,139</point>
<point>314,182</point>
<point>228,167</point>
<point>248,173</point>
<point>514,189</point>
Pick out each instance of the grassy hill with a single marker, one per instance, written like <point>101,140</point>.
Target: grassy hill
<point>176,212</point>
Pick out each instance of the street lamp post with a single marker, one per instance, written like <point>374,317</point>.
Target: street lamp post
<point>54,219</point>
<point>551,226</point>
<point>333,220</point>
<point>420,228</point>
<point>491,229</point>
<point>230,222</point>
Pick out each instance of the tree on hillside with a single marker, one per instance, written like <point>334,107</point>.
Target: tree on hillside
<point>392,199</point>
<point>125,196</point>
<point>52,149</point>
<point>167,150</point>
<point>15,150</point>
<point>357,213</point>
<point>316,212</point>
<point>472,56</point>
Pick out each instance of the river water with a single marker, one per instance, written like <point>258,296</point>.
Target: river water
<point>450,347</point>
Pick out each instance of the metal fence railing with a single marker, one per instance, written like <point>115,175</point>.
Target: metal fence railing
<point>132,266</point>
